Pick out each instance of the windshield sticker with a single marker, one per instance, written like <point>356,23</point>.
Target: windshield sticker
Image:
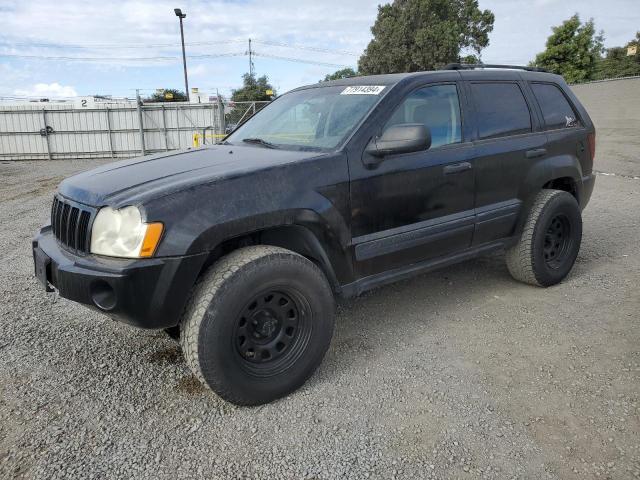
<point>363,90</point>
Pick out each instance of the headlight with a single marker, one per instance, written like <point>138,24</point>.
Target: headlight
<point>121,233</point>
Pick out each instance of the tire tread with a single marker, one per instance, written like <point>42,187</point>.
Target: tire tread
<point>520,257</point>
<point>210,287</point>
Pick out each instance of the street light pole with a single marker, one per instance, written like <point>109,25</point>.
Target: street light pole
<point>181,15</point>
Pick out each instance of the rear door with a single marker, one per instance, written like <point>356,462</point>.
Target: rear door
<point>566,131</point>
<point>508,140</point>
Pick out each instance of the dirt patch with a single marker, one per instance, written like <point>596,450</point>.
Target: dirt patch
<point>171,355</point>
<point>43,186</point>
<point>190,385</point>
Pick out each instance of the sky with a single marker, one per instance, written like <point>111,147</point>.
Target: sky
<point>115,47</point>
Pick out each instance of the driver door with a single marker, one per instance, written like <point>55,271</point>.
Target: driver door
<point>415,206</point>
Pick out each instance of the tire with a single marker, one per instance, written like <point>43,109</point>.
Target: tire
<point>258,324</point>
<point>550,240</point>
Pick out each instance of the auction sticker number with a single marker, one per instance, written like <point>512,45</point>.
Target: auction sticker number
<point>363,90</point>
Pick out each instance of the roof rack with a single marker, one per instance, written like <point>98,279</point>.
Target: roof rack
<point>473,66</point>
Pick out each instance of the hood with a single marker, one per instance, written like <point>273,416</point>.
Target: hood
<point>139,179</point>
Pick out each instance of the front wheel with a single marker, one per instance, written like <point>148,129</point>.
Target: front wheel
<point>258,324</point>
<point>550,240</point>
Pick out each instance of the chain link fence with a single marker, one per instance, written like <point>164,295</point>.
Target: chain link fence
<point>236,113</point>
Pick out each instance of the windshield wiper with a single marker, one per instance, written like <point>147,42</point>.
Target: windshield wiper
<point>260,141</point>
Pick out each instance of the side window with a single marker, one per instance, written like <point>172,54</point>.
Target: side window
<point>501,109</point>
<point>437,107</point>
<point>556,110</point>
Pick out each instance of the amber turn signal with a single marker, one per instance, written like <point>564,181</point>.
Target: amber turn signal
<point>151,239</point>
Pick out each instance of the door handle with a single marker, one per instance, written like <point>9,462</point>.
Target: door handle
<point>457,168</point>
<point>535,153</point>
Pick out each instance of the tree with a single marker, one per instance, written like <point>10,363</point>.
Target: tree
<point>618,63</point>
<point>161,96</point>
<point>414,35</point>
<point>573,50</point>
<point>470,59</point>
<point>253,89</point>
<point>344,73</point>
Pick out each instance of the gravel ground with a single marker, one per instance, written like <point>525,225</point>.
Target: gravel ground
<point>462,373</point>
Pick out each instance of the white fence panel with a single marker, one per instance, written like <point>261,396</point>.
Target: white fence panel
<point>114,131</point>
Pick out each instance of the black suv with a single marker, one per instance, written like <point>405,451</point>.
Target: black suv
<point>333,189</point>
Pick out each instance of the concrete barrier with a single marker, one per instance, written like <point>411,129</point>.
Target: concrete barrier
<point>614,107</point>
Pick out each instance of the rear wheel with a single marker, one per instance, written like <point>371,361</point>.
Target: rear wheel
<point>258,324</point>
<point>550,240</point>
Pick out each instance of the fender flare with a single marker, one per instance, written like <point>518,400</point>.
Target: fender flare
<point>543,172</point>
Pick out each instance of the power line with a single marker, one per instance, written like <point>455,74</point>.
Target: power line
<point>85,59</point>
<point>217,55</point>
<point>168,58</point>
<point>103,59</point>
<point>120,45</point>
<point>306,47</point>
<point>299,60</point>
<point>189,44</point>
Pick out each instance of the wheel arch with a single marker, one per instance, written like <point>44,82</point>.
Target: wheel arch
<point>566,184</point>
<point>300,239</point>
<point>562,172</point>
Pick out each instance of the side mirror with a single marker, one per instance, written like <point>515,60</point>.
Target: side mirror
<point>402,138</point>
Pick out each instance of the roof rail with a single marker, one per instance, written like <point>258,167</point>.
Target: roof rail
<point>473,66</point>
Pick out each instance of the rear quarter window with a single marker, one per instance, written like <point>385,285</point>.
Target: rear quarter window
<point>501,109</point>
<point>556,110</point>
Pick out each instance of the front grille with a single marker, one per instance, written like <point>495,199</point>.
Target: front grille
<point>70,224</point>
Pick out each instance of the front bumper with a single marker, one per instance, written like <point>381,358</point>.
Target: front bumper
<point>146,293</point>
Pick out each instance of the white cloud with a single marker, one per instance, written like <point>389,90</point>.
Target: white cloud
<point>46,90</point>
<point>198,70</point>
<point>225,26</point>
<point>222,27</point>
<point>204,70</point>
<point>149,28</point>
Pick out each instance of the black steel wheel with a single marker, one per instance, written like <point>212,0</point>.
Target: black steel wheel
<point>557,241</point>
<point>258,324</point>
<point>272,330</point>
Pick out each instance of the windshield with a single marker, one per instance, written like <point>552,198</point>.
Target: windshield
<point>311,119</point>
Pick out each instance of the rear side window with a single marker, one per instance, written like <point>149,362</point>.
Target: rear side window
<point>501,109</point>
<point>556,110</point>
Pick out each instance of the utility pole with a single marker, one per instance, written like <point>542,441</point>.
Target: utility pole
<point>181,15</point>
<point>250,52</point>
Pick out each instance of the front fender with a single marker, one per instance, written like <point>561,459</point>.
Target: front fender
<point>313,195</point>
<point>201,217</point>
<point>323,237</point>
